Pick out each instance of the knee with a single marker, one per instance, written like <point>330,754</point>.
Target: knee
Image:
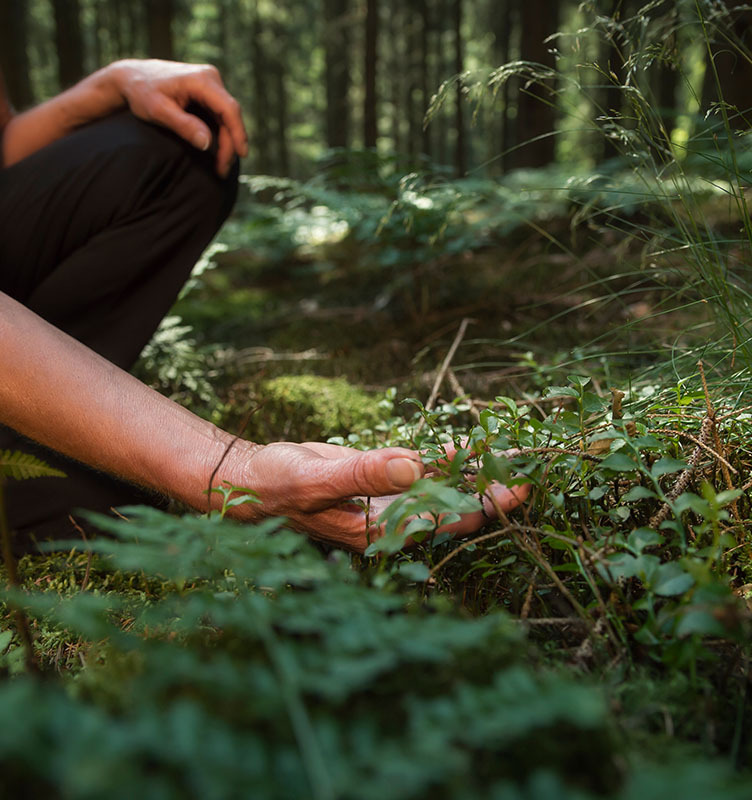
<point>150,165</point>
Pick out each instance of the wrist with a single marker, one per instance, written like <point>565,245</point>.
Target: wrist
<point>220,460</point>
<point>102,91</point>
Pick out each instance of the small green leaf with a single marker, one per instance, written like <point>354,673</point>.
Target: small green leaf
<point>638,493</point>
<point>619,462</point>
<point>672,580</point>
<point>701,621</point>
<point>419,524</point>
<point>728,496</point>
<point>414,571</point>
<point>648,443</point>
<point>664,466</point>
<point>641,538</point>
<point>560,391</point>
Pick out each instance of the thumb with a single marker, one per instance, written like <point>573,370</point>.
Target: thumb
<point>374,473</point>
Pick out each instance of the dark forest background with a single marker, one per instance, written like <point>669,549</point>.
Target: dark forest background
<point>318,74</point>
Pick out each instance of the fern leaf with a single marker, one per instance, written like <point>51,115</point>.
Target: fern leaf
<point>14,464</point>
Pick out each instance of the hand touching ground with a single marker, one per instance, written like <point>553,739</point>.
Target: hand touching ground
<point>336,494</point>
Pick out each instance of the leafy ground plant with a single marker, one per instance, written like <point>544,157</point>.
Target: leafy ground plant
<point>260,668</point>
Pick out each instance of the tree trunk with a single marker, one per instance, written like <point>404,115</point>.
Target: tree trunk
<point>68,42</point>
<point>281,47</point>
<point>612,97</point>
<point>14,59</point>
<point>396,68</point>
<point>260,96</point>
<point>732,67</point>
<point>440,122</point>
<point>159,17</point>
<point>413,100</point>
<point>425,93</point>
<point>536,117</point>
<point>337,62</point>
<point>460,154</point>
<point>370,102</point>
<point>501,26</point>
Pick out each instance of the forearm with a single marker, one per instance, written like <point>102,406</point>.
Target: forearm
<point>61,394</point>
<point>92,98</point>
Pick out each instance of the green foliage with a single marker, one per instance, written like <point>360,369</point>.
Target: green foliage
<point>18,465</point>
<point>262,669</point>
<point>225,690</point>
<point>308,407</point>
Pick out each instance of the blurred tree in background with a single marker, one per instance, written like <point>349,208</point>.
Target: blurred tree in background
<point>318,74</point>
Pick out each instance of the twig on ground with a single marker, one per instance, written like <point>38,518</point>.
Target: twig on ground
<point>529,596</point>
<point>443,368</point>
<point>717,439</point>
<point>697,442</point>
<point>683,481</point>
<point>85,581</point>
<point>459,391</point>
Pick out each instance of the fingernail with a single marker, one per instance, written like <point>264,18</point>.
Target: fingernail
<point>202,140</point>
<point>403,472</point>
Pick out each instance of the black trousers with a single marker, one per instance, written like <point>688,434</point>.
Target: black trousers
<point>98,233</point>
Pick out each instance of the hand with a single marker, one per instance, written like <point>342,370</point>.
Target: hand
<point>314,485</point>
<point>159,91</point>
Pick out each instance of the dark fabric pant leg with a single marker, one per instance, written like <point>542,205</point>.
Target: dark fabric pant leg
<point>99,232</point>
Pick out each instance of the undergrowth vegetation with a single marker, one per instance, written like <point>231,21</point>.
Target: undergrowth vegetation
<point>593,644</point>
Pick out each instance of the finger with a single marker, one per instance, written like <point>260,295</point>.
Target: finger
<point>168,113</point>
<point>346,526</point>
<point>504,498</point>
<point>217,99</point>
<point>225,153</point>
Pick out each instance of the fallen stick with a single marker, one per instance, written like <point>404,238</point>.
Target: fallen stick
<point>443,369</point>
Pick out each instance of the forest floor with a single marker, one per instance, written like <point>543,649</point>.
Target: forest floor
<point>318,312</point>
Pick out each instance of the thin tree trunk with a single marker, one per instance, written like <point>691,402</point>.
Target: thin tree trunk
<point>260,96</point>
<point>395,75</point>
<point>612,62</point>
<point>118,27</point>
<point>14,59</point>
<point>280,92</point>
<point>68,42</point>
<point>425,94</point>
<point>440,121</point>
<point>223,38</point>
<point>337,64</point>
<point>412,98</point>
<point>460,155</point>
<point>501,26</point>
<point>732,66</point>
<point>159,18</point>
<point>370,103</point>
<point>536,117</point>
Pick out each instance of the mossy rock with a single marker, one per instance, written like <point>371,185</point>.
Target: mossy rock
<point>310,407</point>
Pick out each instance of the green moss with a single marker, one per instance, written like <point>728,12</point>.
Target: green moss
<point>308,407</point>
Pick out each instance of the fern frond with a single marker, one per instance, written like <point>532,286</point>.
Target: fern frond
<point>14,464</point>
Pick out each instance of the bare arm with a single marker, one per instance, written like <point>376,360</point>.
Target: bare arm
<point>56,391</point>
<point>60,393</point>
<point>157,91</point>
